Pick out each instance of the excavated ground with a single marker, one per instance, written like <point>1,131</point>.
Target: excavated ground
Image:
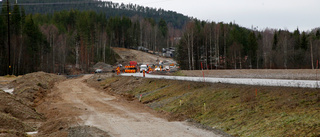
<point>17,110</point>
<point>139,56</point>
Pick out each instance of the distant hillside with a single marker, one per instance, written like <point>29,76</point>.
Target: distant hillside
<point>107,7</point>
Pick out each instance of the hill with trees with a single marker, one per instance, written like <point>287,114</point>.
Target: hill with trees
<point>109,9</point>
<point>73,39</point>
<point>55,41</point>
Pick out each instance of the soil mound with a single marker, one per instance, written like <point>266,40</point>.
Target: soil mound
<point>8,123</point>
<point>34,85</point>
<point>17,113</point>
<point>105,67</point>
<point>16,117</point>
<point>16,108</point>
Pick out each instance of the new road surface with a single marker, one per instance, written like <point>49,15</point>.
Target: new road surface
<point>241,81</point>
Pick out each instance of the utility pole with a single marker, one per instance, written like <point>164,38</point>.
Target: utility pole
<point>9,59</point>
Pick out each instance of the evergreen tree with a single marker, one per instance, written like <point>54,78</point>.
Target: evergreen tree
<point>4,10</point>
<point>275,41</point>
<point>3,54</point>
<point>3,32</point>
<point>4,14</point>
<point>304,41</point>
<point>23,16</point>
<point>318,34</point>
<point>16,20</point>
<point>253,47</point>
<point>32,43</point>
<point>163,27</point>
<point>296,36</point>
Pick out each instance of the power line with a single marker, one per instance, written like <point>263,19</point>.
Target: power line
<point>57,3</point>
<point>52,3</point>
<point>79,2</point>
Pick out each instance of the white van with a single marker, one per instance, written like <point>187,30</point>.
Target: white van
<point>143,67</point>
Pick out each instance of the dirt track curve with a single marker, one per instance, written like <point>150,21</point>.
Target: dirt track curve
<point>74,99</point>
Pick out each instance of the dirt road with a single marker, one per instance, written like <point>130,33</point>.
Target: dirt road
<point>73,99</point>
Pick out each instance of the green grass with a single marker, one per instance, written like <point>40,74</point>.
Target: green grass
<point>235,109</point>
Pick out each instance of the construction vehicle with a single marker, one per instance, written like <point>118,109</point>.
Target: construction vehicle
<point>132,68</point>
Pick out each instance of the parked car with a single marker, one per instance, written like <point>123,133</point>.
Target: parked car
<point>143,67</point>
<point>98,71</point>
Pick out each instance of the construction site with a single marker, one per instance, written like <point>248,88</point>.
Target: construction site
<point>132,98</point>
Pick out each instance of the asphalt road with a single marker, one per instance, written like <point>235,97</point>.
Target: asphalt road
<point>241,81</point>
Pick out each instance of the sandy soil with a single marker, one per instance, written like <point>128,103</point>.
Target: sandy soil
<point>72,100</point>
<point>139,56</point>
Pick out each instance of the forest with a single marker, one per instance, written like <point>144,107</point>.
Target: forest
<point>210,45</point>
<point>109,8</point>
<point>61,40</point>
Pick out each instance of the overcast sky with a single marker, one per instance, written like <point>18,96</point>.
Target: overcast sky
<point>278,14</point>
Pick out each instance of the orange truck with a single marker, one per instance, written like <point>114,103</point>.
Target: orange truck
<point>132,68</point>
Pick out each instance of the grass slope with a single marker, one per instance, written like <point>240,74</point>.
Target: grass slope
<point>239,110</point>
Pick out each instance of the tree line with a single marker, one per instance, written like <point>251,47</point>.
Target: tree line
<point>109,8</point>
<point>56,42</point>
<point>74,39</point>
<point>210,45</point>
